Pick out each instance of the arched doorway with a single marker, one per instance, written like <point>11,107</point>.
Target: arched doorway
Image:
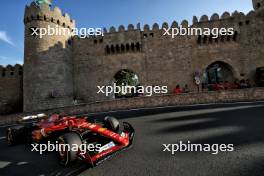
<point>218,72</point>
<point>218,76</point>
<point>126,77</point>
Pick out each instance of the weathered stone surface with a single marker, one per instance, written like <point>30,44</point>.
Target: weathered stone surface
<point>74,67</point>
<point>253,94</point>
<point>47,61</point>
<point>11,95</point>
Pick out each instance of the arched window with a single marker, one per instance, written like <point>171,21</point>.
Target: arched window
<point>58,22</point>
<point>258,5</point>
<point>216,39</point>
<point>117,49</point>
<point>122,48</point>
<point>235,36</point>
<point>127,47</point>
<point>32,17</point>
<point>222,38</point>
<point>108,50</point>
<point>138,46</point>
<point>112,49</point>
<point>205,39</point>
<point>228,38</point>
<point>133,47</point>
<point>210,39</point>
<point>199,40</point>
<point>247,22</point>
<point>52,20</point>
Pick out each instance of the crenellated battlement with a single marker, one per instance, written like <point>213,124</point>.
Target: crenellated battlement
<point>11,71</point>
<point>133,37</point>
<point>234,20</point>
<point>122,28</point>
<point>225,17</point>
<point>226,20</point>
<point>156,27</point>
<point>44,13</point>
<point>113,45</point>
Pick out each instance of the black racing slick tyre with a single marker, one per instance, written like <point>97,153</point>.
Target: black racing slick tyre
<point>112,124</point>
<point>67,143</point>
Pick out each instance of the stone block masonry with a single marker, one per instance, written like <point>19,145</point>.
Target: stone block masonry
<point>11,89</point>
<point>230,96</point>
<point>59,69</point>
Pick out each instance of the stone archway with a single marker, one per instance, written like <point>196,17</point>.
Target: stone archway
<point>219,72</point>
<point>126,77</point>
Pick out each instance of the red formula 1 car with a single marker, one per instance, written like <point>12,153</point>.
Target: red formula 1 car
<point>106,137</point>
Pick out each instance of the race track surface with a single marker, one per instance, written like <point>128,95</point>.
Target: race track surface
<point>239,124</point>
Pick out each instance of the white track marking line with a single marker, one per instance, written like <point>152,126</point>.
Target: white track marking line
<point>3,137</point>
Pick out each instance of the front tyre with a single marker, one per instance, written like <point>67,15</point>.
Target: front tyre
<point>112,124</point>
<point>66,142</point>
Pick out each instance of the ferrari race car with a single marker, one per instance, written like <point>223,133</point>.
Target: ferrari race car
<point>109,136</point>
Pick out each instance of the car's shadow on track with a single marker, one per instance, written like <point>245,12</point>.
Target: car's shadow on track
<point>19,160</point>
<point>245,131</point>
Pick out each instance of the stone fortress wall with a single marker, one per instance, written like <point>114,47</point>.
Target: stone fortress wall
<point>48,71</point>
<point>161,60</point>
<point>11,88</point>
<point>58,68</point>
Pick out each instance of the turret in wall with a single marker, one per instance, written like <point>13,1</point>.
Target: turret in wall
<point>47,79</point>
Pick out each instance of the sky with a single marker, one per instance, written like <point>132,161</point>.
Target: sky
<point>107,13</point>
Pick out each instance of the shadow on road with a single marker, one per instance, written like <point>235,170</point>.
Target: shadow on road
<point>254,169</point>
<point>251,130</point>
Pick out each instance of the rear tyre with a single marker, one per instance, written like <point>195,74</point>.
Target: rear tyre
<point>66,155</point>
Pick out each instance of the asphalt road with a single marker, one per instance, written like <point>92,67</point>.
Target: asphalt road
<point>239,124</point>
